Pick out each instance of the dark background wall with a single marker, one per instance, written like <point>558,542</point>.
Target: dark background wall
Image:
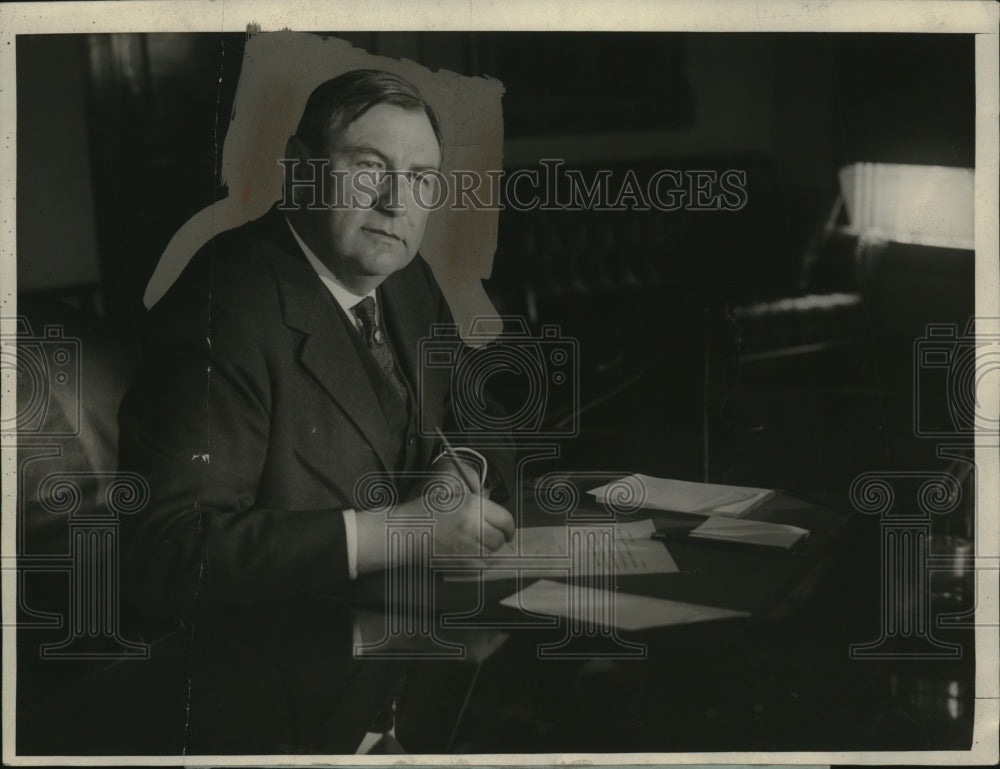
<point>55,177</point>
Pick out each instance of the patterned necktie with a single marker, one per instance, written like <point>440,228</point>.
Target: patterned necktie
<point>377,342</point>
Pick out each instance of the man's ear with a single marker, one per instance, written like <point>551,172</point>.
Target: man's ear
<point>297,150</point>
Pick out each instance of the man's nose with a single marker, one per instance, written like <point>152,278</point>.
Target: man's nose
<point>395,194</point>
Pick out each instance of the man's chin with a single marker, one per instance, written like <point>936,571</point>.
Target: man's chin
<point>385,265</point>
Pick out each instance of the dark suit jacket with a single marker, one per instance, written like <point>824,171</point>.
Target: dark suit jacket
<point>253,415</point>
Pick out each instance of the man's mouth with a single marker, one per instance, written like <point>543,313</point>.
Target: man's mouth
<point>383,233</point>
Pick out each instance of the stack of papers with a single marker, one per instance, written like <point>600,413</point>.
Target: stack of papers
<point>685,496</point>
<point>749,532</point>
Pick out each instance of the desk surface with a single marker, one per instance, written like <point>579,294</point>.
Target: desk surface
<point>781,679</point>
<point>778,680</point>
<point>731,576</point>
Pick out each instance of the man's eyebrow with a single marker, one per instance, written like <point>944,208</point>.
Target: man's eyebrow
<point>364,149</point>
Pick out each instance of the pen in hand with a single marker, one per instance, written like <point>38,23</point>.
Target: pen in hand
<point>494,516</point>
<point>464,472</point>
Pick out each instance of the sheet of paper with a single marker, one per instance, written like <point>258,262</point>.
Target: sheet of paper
<point>625,611</point>
<point>544,549</point>
<point>752,532</point>
<point>687,496</point>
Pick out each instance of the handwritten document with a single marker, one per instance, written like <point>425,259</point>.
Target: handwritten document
<point>582,550</point>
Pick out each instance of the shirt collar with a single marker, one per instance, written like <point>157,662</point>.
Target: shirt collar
<point>346,299</point>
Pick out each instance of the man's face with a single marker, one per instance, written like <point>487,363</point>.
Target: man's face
<point>366,241</point>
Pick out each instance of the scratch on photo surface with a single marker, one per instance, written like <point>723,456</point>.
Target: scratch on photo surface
<point>191,642</point>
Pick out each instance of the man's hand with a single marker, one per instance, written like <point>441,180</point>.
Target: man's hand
<point>474,526</point>
<point>465,523</point>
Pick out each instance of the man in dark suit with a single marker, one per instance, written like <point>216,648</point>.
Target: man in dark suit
<point>279,370</point>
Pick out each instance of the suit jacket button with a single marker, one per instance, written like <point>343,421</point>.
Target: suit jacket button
<point>411,440</point>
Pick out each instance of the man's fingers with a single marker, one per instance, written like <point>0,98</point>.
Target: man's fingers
<point>493,538</point>
<point>470,476</point>
<point>497,516</point>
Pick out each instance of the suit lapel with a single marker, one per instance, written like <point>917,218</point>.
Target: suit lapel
<point>329,351</point>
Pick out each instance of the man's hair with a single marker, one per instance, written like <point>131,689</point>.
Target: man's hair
<point>337,103</point>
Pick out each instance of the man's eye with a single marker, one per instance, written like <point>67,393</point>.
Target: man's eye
<point>370,164</point>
